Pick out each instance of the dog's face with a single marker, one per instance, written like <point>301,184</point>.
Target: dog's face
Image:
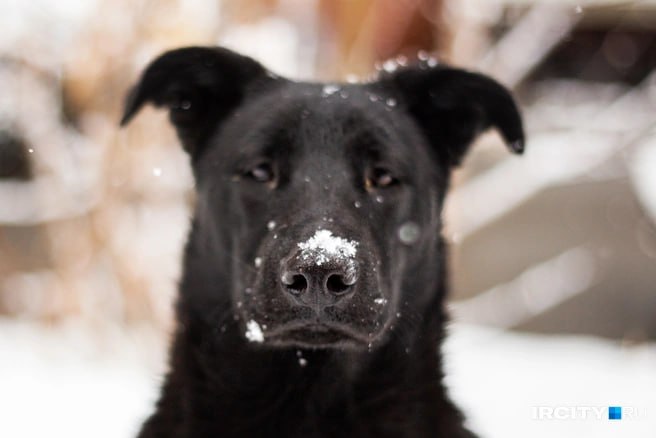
<point>321,203</point>
<point>317,189</point>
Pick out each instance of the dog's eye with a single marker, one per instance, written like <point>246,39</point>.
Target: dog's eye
<point>380,178</point>
<point>262,173</point>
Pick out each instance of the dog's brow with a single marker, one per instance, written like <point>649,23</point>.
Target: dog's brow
<point>377,145</point>
<point>268,142</point>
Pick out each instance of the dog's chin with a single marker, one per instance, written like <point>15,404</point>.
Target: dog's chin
<point>319,336</point>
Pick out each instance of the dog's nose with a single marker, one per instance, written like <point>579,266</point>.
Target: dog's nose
<point>318,284</point>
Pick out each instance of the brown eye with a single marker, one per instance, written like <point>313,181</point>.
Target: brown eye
<point>380,178</point>
<point>262,173</point>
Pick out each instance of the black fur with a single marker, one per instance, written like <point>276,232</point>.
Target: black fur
<point>359,160</point>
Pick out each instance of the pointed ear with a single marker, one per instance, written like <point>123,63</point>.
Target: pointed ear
<point>199,85</point>
<point>453,106</point>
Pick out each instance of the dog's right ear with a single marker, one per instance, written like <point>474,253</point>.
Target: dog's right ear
<point>199,85</point>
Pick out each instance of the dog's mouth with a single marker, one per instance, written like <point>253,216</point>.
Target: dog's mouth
<point>317,335</point>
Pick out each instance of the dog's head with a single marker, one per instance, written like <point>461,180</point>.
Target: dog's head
<point>318,211</point>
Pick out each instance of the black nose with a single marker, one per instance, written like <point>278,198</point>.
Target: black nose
<point>318,284</point>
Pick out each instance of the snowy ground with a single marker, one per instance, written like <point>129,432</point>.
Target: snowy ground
<point>62,382</point>
<point>502,379</point>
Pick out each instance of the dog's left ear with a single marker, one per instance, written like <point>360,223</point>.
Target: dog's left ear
<point>453,106</point>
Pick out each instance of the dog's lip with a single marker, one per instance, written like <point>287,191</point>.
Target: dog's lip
<point>315,333</point>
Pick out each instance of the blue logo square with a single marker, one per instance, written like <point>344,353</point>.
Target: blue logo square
<point>615,412</point>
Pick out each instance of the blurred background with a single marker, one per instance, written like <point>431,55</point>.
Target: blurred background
<point>553,254</point>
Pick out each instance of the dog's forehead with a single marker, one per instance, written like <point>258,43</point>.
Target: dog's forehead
<point>318,118</point>
<point>339,121</point>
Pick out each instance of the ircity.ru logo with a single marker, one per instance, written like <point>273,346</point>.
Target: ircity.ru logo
<point>586,412</point>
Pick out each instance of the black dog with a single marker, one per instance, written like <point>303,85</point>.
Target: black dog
<point>311,302</point>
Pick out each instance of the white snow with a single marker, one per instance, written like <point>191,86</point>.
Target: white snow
<point>271,225</point>
<point>330,89</point>
<point>324,247</point>
<point>374,98</point>
<point>254,331</point>
<point>80,384</point>
<point>380,301</point>
<point>499,378</point>
<point>409,233</point>
<point>390,65</point>
<point>257,262</point>
<point>76,380</point>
